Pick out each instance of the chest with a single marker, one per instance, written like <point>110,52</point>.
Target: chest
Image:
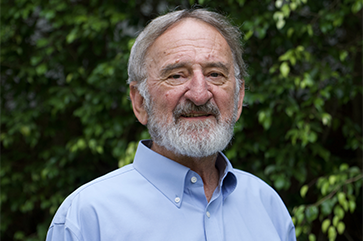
<point>148,218</point>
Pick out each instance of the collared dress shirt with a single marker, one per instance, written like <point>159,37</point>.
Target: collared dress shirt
<point>156,199</point>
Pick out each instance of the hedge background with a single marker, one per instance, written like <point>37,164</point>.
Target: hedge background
<point>66,117</point>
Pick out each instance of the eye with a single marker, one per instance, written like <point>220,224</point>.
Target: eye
<point>217,78</point>
<point>175,76</point>
<point>216,75</point>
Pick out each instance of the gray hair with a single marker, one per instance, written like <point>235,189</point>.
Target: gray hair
<point>137,68</point>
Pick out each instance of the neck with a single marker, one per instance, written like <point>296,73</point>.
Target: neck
<point>204,166</point>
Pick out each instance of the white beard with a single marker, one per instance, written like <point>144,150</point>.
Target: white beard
<point>193,139</point>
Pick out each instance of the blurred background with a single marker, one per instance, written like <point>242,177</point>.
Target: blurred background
<point>66,117</point>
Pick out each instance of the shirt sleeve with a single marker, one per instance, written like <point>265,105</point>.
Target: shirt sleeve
<point>59,232</point>
<point>291,236</point>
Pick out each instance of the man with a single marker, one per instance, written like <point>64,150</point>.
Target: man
<point>186,84</point>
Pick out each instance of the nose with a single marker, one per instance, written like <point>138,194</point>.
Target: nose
<point>198,90</point>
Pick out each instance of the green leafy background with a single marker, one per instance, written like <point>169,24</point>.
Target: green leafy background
<point>66,117</point>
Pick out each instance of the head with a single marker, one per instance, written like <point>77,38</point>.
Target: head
<point>136,68</point>
<point>186,77</point>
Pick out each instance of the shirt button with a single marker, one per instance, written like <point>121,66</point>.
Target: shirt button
<point>177,199</point>
<point>208,214</point>
<point>193,179</point>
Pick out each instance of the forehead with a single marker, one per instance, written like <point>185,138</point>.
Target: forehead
<point>190,36</point>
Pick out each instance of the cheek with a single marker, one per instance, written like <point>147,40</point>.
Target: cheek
<point>166,100</point>
<point>225,102</point>
<point>226,106</point>
<point>173,95</point>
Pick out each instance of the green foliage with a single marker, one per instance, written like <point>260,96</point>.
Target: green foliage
<point>336,198</point>
<point>66,117</point>
<point>305,92</point>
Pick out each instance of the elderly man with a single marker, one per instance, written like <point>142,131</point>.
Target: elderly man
<point>186,84</point>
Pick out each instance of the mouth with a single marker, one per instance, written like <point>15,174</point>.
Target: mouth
<point>194,115</point>
<point>189,111</point>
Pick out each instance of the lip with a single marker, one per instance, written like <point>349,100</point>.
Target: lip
<point>196,116</point>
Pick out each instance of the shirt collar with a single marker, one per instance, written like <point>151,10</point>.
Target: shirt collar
<point>228,180</point>
<point>169,176</point>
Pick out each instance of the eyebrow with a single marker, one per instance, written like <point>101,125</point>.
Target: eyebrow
<point>220,65</point>
<point>170,67</point>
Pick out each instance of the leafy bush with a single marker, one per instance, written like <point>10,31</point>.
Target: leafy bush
<point>66,117</point>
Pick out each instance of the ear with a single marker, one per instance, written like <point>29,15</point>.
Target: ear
<point>241,96</point>
<point>138,103</point>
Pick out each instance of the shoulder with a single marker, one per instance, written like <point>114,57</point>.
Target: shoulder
<point>255,190</point>
<point>257,193</point>
<point>249,181</point>
<point>81,213</point>
<point>260,199</point>
<point>94,190</point>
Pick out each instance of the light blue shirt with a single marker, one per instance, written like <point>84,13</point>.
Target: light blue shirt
<point>157,199</point>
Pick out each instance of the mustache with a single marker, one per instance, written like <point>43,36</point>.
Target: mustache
<point>188,107</point>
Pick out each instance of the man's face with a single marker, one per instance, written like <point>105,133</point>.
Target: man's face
<point>194,102</point>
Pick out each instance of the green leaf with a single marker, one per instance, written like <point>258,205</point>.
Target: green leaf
<point>41,69</point>
<point>325,118</point>
<point>311,213</point>
<point>278,16</point>
<point>294,220</point>
<point>81,144</point>
<point>293,6</point>
<point>290,31</point>
<point>304,189</point>
<point>25,130</point>
<point>344,167</point>
<point>307,81</point>
<point>278,3</point>
<point>130,154</point>
<point>341,228</point>
<point>332,233</point>
<point>264,117</point>
<point>336,220</point>
<point>72,36</point>
<point>298,231</point>
<point>332,179</point>
<point>341,198</point>
<point>325,225</point>
<point>286,10</point>
<point>69,77</point>
<point>280,23</point>
<point>248,35</point>
<point>338,211</point>
<point>312,237</point>
<point>34,60</point>
<point>99,149</point>
<point>352,206</point>
<point>284,69</point>
<point>343,55</point>
<point>357,6</point>
<point>310,30</point>
<point>280,182</point>
<point>325,188</point>
<point>19,235</point>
